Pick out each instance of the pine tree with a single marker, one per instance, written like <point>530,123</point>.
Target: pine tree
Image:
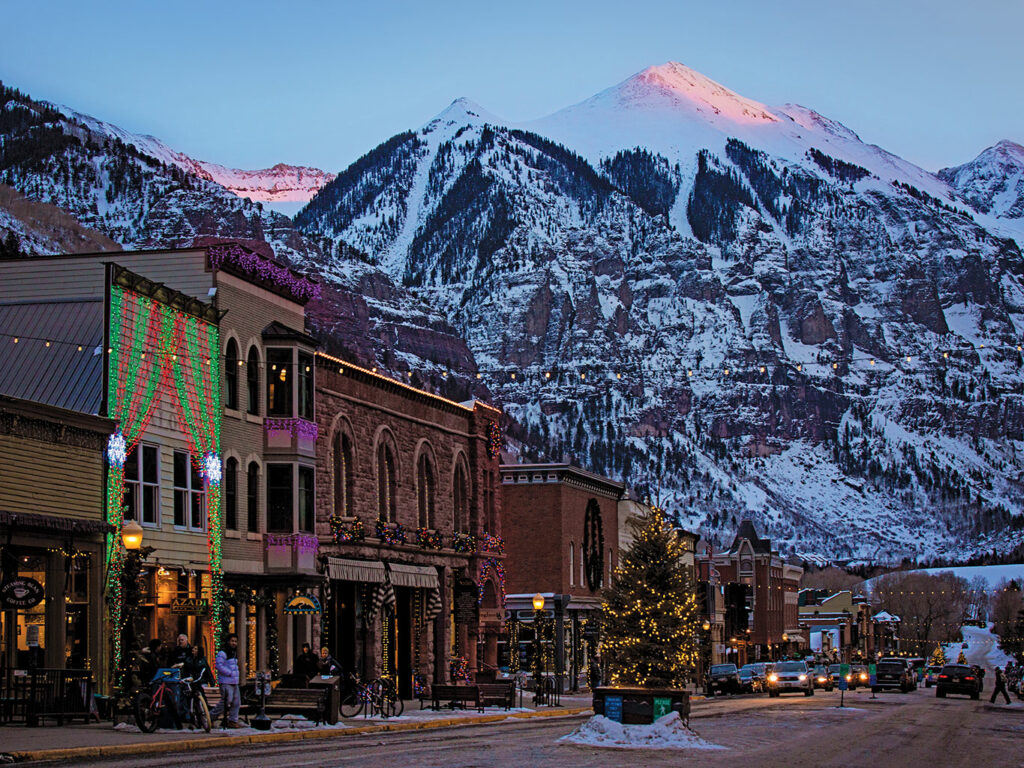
<point>938,658</point>
<point>961,659</point>
<point>650,610</point>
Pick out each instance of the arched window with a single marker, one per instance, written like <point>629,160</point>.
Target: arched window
<point>343,477</point>
<point>460,495</point>
<point>231,494</point>
<point>425,491</point>
<point>231,376</point>
<point>253,497</point>
<point>385,483</point>
<point>252,381</point>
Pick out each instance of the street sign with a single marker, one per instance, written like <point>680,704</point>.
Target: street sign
<point>662,706</point>
<point>844,671</point>
<point>613,708</point>
<point>873,670</point>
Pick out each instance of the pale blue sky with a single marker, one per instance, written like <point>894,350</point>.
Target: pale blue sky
<point>255,83</point>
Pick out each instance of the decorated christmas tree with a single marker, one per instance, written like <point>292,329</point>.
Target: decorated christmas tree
<point>961,659</point>
<point>650,610</point>
<point>938,657</point>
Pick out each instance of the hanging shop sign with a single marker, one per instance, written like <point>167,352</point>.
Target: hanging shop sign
<point>302,604</point>
<point>190,606</point>
<point>21,592</point>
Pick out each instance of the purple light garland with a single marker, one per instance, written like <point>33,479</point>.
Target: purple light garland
<point>300,542</point>
<point>300,428</point>
<point>259,266</point>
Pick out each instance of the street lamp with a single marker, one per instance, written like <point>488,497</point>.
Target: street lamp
<point>131,536</point>
<point>539,671</point>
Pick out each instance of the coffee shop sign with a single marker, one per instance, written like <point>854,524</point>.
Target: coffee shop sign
<point>21,592</point>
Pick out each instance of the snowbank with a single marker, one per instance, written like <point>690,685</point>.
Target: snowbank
<point>666,732</point>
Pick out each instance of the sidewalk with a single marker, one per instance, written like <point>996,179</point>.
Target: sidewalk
<point>104,740</point>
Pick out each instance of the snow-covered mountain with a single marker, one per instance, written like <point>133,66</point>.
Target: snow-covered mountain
<point>284,188</point>
<point>745,308</point>
<point>993,183</point>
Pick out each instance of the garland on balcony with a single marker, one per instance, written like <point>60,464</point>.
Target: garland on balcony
<point>464,543</point>
<point>300,542</point>
<point>390,533</point>
<point>428,538</point>
<point>346,532</point>
<point>492,545</point>
<point>299,428</point>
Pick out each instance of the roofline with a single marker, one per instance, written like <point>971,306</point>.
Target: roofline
<point>567,468</point>
<point>46,412</point>
<point>381,378</point>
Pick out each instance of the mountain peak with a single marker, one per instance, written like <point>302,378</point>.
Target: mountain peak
<point>465,111</point>
<point>688,86</point>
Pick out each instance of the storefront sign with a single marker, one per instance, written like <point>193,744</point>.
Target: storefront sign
<point>190,606</point>
<point>302,604</point>
<point>466,605</point>
<point>613,708</point>
<point>21,592</point>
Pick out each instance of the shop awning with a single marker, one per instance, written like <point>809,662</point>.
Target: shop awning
<point>417,576</point>
<point>366,571</point>
<point>796,637</point>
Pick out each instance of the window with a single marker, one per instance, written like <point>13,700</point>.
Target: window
<point>252,381</point>
<point>307,499</point>
<point>231,494</point>
<point>279,382</point>
<point>279,498</point>
<point>572,560</point>
<point>253,500</point>
<point>385,483</point>
<point>460,494</point>
<point>142,485</point>
<point>343,479</point>
<point>231,362</point>
<point>189,494</point>
<point>306,371</point>
<point>425,491</point>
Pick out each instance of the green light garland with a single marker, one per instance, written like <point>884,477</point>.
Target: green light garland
<point>135,384</point>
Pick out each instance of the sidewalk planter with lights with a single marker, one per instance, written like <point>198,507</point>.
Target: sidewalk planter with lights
<point>641,706</point>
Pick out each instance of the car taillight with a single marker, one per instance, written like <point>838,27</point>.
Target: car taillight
<point>968,677</point>
<point>943,677</point>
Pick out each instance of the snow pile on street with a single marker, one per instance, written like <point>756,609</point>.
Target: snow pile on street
<point>666,732</point>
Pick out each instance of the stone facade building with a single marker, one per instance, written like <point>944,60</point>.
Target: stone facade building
<point>409,518</point>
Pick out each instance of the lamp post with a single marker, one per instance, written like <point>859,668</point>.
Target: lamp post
<point>785,642</point>
<point>135,554</point>
<point>539,671</point>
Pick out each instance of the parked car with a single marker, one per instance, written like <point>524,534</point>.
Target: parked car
<point>859,675</point>
<point>931,674</point>
<point>823,678</point>
<point>957,678</point>
<point>749,681</point>
<point>759,674</point>
<point>892,674</point>
<point>723,678</point>
<point>790,676</point>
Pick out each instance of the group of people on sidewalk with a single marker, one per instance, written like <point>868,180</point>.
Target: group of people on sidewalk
<point>190,659</point>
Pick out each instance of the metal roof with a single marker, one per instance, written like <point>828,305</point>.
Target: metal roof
<point>57,374</point>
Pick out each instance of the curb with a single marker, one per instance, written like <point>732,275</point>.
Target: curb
<point>195,745</point>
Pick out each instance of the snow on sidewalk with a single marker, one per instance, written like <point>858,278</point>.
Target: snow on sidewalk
<point>666,732</point>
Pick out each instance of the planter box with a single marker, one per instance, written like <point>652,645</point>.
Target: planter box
<point>641,706</point>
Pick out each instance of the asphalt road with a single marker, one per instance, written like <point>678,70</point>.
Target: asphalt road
<point>909,730</point>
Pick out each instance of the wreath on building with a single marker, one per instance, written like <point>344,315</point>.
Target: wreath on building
<point>593,545</point>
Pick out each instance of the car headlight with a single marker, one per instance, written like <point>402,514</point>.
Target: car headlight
<point>863,676</point>
<point>773,678</point>
<point>821,679</point>
<point>802,678</point>
<point>849,678</point>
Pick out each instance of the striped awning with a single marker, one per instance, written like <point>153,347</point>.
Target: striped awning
<point>365,571</point>
<point>416,576</point>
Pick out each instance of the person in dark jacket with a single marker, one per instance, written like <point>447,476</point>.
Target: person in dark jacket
<point>151,658</point>
<point>180,653</point>
<point>1000,687</point>
<point>328,664</point>
<point>306,663</point>
<point>197,667</point>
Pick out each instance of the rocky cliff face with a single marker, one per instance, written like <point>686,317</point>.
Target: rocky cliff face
<point>742,308</point>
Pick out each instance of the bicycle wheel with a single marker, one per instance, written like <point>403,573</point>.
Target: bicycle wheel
<point>352,704</point>
<point>147,713</point>
<point>389,693</point>
<point>201,713</point>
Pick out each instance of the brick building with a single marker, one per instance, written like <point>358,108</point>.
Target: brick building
<point>771,597</point>
<point>410,521</point>
<point>562,540</point>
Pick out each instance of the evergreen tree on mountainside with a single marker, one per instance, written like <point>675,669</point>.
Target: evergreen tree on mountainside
<point>650,610</point>
<point>10,246</point>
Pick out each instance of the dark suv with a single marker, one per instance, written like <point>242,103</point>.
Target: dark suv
<point>892,674</point>
<point>724,678</point>
<point>957,678</point>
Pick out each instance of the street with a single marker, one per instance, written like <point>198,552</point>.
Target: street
<point>915,729</point>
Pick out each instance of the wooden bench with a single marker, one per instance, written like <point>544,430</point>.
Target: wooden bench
<point>295,701</point>
<point>454,695</point>
<point>495,694</point>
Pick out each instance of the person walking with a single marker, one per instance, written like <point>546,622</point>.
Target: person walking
<point>1000,687</point>
<point>227,676</point>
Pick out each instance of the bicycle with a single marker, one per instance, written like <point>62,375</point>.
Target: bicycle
<point>378,696</point>
<point>149,706</point>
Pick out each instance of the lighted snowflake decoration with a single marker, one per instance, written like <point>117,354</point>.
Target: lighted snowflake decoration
<point>117,450</point>
<point>211,468</point>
